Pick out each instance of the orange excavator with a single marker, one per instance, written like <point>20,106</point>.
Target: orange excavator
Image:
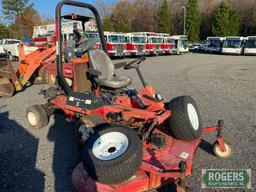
<point>37,67</point>
<point>33,68</point>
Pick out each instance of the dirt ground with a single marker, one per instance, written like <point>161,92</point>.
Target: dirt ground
<point>224,87</point>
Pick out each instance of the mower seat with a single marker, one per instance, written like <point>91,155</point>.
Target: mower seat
<point>106,77</point>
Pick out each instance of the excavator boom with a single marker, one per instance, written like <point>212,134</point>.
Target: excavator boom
<point>12,81</point>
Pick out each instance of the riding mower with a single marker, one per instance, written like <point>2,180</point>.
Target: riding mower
<point>131,140</point>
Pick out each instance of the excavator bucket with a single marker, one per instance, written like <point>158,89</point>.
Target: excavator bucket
<point>9,81</point>
<point>6,87</point>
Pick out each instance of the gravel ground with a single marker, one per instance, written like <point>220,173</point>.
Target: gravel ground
<point>224,87</point>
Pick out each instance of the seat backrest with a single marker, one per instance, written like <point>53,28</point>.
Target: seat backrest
<point>100,61</point>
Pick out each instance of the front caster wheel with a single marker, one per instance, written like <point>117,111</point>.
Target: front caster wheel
<point>222,154</point>
<point>37,117</point>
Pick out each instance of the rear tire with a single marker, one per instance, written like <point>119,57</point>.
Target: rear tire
<point>37,117</point>
<point>112,154</point>
<point>185,121</point>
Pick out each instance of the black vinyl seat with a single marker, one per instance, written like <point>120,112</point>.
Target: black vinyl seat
<point>106,77</point>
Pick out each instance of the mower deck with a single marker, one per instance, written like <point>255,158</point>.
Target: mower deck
<point>159,167</point>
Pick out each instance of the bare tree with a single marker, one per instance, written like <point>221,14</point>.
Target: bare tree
<point>104,8</point>
<point>45,20</point>
<point>176,12</point>
<point>247,10</point>
<point>146,15</point>
<point>24,24</point>
<point>123,12</point>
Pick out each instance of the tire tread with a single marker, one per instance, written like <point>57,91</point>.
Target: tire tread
<point>179,123</point>
<point>117,170</point>
<point>41,115</point>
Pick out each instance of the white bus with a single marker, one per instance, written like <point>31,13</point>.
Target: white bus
<point>233,45</point>
<point>214,44</point>
<point>250,46</point>
<point>181,44</point>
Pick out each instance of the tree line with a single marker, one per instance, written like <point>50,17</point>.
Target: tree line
<point>202,17</point>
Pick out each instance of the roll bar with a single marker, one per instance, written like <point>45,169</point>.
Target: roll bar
<point>58,18</point>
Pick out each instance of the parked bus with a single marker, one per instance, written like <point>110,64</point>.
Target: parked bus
<point>123,39</point>
<point>136,44</point>
<point>168,44</point>
<point>116,44</point>
<point>157,42</point>
<point>250,46</point>
<point>233,45</point>
<point>214,44</point>
<point>181,44</point>
<point>153,43</point>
